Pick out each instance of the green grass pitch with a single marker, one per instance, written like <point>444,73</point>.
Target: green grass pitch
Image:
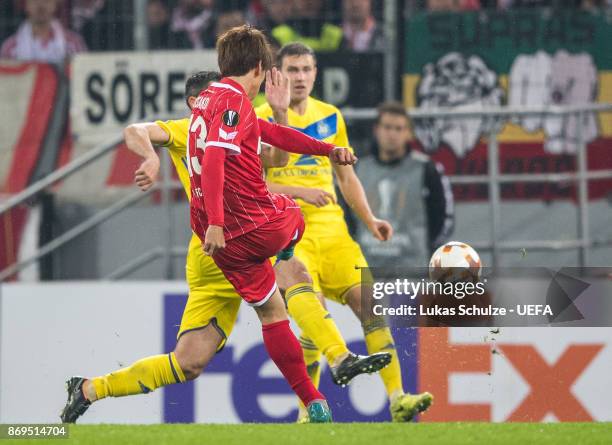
<point>338,434</point>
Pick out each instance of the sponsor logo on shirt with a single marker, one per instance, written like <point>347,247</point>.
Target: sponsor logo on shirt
<point>230,118</point>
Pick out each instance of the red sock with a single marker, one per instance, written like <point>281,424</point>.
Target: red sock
<point>284,350</point>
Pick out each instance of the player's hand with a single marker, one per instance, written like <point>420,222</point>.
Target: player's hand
<point>277,90</point>
<point>316,197</point>
<point>342,156</point>
<point>380,229</point>
<point>214,240</point>
<point>146,175</point>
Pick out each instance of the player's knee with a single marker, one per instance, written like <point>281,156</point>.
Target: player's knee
<point>353,300</point>
<point>294,272</point>
<point>191,365</point>
<point>301,274</point>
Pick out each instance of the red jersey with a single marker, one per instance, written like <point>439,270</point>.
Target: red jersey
<point>227,185</point>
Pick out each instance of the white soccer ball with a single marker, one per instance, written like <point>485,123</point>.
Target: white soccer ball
<point>455,261</point>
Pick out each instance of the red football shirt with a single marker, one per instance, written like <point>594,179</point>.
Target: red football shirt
<point>223,119</point>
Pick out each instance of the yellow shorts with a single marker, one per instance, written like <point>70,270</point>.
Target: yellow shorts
<point>334,262</point>
<point>212,299</point>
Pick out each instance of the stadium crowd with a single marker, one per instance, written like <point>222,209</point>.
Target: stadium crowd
<point>67,26</point>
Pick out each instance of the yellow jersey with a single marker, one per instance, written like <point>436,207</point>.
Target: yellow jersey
<point>178,132</point>
<point>322,121</point>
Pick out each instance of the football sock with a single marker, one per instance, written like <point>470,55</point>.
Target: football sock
<point>312,358</point>
<point>378,339</point>
<point>315,322</point>
<point>141,377</point>
<point>284,350</point>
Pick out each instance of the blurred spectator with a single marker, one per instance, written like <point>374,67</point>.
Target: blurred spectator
<point>84,10</point>
<point>593,5</point>
<point>407,188</point>
<point>193,19</point>
<point>160,36</point>
<point>276,13</point>
<point>104,24</point>
<point>228,15</point>
<point>8,16</point>
<point>361,32</point>
<point>256,13</point>
<point>41,37</point>
<point>453,5</point>
<point>517,4</point>
<point>308,26</point>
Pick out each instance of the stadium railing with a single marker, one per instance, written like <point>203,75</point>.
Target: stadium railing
<point>166,185</point>
<point>583,242</point>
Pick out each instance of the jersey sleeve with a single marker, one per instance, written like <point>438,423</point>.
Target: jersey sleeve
<point>229,123</point>
<point>341,139</point>
<point>178,131</point>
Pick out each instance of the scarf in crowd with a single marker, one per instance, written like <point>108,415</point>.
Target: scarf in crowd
<point>28,47</point>
<point>193,26</point>
<point>359,39</point>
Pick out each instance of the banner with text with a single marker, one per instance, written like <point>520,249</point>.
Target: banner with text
<point>520,59</point>
<point>478,374</point>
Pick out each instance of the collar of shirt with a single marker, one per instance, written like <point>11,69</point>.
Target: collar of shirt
<point>232,83</point>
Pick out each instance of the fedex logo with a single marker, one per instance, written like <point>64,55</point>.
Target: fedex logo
<point>524,375</point>
<point>511,366</point>
<point>252,389</point>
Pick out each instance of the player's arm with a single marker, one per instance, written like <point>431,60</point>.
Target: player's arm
<point>314,196</point>
<point>295,141</point>
<point>213,163</point>
<point>352,190</point>
<point>139,139</point>
<point>273,157</point>
<point>354,195</point>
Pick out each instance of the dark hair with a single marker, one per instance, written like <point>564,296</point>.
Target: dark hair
<point>241,49</point>
<point>391,107</point>
<point>198,82</point>
<point>294,49</point>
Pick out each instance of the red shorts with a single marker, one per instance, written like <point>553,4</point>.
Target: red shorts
<point>245,260</point>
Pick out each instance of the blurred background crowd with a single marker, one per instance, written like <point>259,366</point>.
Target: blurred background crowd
<point>106,25</point>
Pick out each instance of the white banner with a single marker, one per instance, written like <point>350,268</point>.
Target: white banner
<point>49,332</point>
<point>111,90</point>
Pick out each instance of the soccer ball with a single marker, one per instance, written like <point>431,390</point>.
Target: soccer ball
<point>455,261</point>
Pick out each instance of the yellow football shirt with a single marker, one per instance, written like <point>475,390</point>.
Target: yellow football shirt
<point>322,121</point>
<point>178,132</point>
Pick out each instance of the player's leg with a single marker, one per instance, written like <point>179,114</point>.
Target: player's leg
<point>192,353</point>
<point>285,351</point>
<point>342,280</point>
<point>208,318</point>
<point>321,331</point>
<point>290,275</point>
<point>143,376</point>
<point>245,263</point>
<point>312,317</point>
<point>318,328</point>
<point>378,337</point>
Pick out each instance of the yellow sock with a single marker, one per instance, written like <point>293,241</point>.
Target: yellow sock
<point>141,377</point>
<point>314,321</point>
<point>378,339</point>
<point>312,358</point>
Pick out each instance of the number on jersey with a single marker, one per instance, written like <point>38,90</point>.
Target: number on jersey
<point>197,134</point>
